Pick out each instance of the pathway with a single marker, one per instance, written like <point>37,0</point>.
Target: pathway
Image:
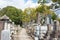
<point>23,35</point>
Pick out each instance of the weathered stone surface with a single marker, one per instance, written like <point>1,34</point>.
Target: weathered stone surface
<point>5,35</point>
<point>1,27</point>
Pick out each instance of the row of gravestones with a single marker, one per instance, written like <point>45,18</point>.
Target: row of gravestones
<point>55,28</point>
<point>50,23</point>
<point>54,24</point>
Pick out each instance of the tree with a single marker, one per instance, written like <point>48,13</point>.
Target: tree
<point>29,14</point>
<point>42,1</point>
<point>13,13</point>
<point>54,16</point>
<point>58,1</point>
<point>32,13</point>
<point>56,4</point>
<point>25,16</point>
<point>43,10</point>
<point>58,20</point>
<point>54,0</point>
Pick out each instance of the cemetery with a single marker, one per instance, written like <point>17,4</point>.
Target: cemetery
<point>31,23</point>
<point>50,31</point>
<point>7,28</point>
<point>35,31</point>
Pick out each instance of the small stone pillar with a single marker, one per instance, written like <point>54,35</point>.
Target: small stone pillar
<point>55,31</point>
<point>55,26</point>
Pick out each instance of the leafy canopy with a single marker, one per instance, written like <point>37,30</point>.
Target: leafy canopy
<point>13,13</point>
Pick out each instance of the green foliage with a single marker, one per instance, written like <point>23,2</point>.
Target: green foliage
<point>58,19</point>
<point>18,16</point>
<point>59,1</point>
<point>25,17</point>
<point>42,1</point>
<point>28,15</point>
<point>33,13</point>
<point>54,16</point>
<point>43,9</point>
<point>13,13</point>
<point>40,9</point>
<point>54,0</point>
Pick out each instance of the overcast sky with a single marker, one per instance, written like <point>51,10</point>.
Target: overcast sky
<point>21,4</point>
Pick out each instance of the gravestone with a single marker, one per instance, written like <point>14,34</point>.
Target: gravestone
<point>37,32</point>
<point>52,22</point>
<point>36,38</point>
<point>5,35</point>
<point>54,34</point>
<point>1,27</point>
<point>55,26</point>
<point>58,27</point>
<point>49,19</point>
<point>5,30</point>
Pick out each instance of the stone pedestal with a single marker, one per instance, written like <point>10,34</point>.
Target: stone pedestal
<point>5,28</point>
<point>1,27</point>
<point>5,35</point>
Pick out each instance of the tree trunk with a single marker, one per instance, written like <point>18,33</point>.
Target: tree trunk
<point>38,18</point>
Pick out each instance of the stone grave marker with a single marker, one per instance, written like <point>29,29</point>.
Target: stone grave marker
<point>5,30</point>
<point>5,35</point>
<point>1,27</point>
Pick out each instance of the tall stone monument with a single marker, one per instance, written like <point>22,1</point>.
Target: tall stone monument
<point>5,28</point>
<point>1,27</point>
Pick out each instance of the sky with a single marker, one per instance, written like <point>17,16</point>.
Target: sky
<point>21,4</point>
<point>57,11</point>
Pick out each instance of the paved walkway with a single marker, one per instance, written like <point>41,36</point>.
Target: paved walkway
<point>23,35</point>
